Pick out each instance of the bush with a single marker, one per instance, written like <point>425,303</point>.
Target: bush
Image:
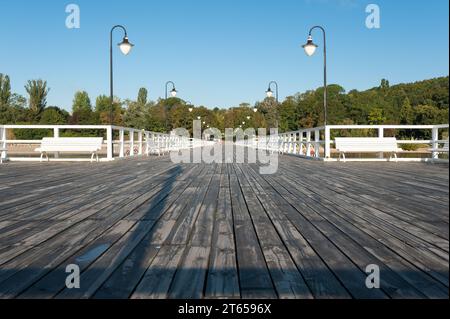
<point>412,147</point>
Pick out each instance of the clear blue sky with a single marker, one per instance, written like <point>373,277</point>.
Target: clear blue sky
<point>221,52</point>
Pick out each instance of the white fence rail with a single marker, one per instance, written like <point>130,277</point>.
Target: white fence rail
<point>317,143</point>
<point>119,142</point>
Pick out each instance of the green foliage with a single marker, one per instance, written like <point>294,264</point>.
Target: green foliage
<point>54,115</point>
<point>413,146</point>
<point>31,134</point>
<point>81,102</point>
<point>5,90</point>
<point>142,97</point>
<point>376,117</point>
<point>406,112</point>
<point>424,102</point>
<point>37,91</point>
<point>102,104</point>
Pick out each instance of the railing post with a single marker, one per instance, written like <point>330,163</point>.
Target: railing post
<point>317,144</point>
<point>3,143</point>
<point>434,144</point>
<point>109,143</point>
<point>380,135</point>
<point>122,143</point>
<point>147,141</point>
<point>308,143</point>
<point>56,135</point>
<point>131,142</point>
<point>286,143</point>
<point>301,136</point>
<point>327,142</point>
<point>140,141</point>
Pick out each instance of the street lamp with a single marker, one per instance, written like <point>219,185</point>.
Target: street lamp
<point>173,92</point>
<point>310,48</point>
<point>125,46</point>
<point>269,91</point>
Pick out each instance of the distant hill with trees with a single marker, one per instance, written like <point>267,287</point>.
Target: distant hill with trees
<point>423,102</point>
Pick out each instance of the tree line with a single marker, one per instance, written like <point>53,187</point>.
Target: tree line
<point>423,102</point>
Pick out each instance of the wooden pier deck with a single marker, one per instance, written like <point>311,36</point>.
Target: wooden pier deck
<point>148,228</point>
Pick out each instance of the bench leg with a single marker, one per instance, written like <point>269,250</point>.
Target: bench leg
<point>46,156</point>
<point>395,157</point>
<point>92,157</point>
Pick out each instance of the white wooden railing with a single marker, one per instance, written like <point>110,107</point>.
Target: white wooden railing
<point>130,142</point>
<point>317,143</point>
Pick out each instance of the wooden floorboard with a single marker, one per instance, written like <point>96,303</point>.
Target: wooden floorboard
<point>149,228</point>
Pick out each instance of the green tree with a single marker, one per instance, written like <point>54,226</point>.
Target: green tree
<point>376,117</point>
<point>82,113</point>
<point>5,90</point>
<point>406,112</point>
<point>54,115</point>
<point>81,102</point>
<point>102,104</point>
<point>142,97</point>
<point>37,91</point>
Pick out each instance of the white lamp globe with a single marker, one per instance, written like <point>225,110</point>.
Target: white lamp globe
<point>310,47</point>
<point>125,46</point>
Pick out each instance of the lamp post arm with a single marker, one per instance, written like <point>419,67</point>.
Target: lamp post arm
<point>167,84</point>
<point>276,89</point>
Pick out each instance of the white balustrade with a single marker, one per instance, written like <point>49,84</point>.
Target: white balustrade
<point>317,142</point>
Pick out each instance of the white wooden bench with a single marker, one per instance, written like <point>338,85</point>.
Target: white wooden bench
<point>366,145</point>
<point>153,148</point>
<point>1,154</point>
<point>70,144</point>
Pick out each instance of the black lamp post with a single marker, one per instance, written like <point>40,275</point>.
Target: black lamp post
<point>310,47</point>
<point>269,91</point>
<point>125,46</point>
<point>190,109</point>
<point>173,93</point>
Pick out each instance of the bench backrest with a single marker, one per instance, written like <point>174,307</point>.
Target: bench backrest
<point>366,144</point>
<point>68,144</point>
